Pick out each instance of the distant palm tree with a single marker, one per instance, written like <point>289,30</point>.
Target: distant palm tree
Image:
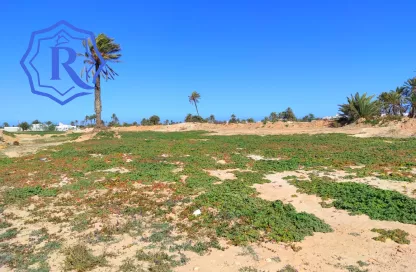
<point>212,118</point>
<point>110,52</point>
<point>194,99</point>
<point>393,102</point>
<point>114,119</point>
<point>410,88</point>
<point>359,106</point>
<point>412,103</point>
<point>93,118</point>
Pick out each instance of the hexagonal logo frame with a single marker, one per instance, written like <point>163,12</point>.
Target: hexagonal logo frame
<point>51,76</point>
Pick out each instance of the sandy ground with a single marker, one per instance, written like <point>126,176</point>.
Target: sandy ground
<point>350,242</point>
<point>405,128</point>
<point>399,129</point>
<point>29,144</point>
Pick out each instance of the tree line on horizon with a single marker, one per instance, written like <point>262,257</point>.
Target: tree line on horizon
<point>395,103</point>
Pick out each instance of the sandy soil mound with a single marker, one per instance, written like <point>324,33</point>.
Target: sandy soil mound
<point>397,129</point>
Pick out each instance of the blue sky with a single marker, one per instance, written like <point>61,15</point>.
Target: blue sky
<point>244,57</point>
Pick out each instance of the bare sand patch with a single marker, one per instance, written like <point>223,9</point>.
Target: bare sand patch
<point>223,174</point>
<point>120,170</point>
<point>261,158</point>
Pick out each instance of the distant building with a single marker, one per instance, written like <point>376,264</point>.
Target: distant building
<point>63,127</point>
<point>42,127</point>
<point>12,129</point>
<point>331,117</point>
<point>38,127</point>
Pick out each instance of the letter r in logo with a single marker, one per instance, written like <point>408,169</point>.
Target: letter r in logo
<point>71,59</point>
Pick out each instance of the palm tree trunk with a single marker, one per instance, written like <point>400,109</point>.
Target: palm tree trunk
<point>196,106</point>
<point>97,101</point>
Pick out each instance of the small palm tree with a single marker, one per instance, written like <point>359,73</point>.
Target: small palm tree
<point>194,99</point>
<point>93,118</point>
<point>393,102</point>
<point>233,119</point>
<point>410,86</point>
<point>412,104</point>
<point>273,117</point>
<point>410,92</point>
<point>110,52</point>
<point>114,119</point>
<point>359,106</point>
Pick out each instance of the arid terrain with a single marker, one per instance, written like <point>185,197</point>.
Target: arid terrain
<point>396,129</point>
<point>204,197</point>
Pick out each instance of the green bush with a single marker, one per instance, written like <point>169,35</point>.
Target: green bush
<point>17,194</point>
<point>362,199</point>
<point>399,236</point>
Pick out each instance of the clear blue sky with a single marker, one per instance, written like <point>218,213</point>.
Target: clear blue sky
<point>244,57</point>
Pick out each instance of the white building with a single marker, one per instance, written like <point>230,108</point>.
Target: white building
<point>63,127</point>
<point>331,117</point>
<point>12,129</point>
<point>38,127</point>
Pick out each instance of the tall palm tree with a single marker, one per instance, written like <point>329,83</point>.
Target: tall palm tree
<point>194,99</point>
<point>110,52</point>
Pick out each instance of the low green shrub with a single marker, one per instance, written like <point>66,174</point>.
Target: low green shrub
<point>18,194</point>
<point>399,236</point>
<point>362,199</point>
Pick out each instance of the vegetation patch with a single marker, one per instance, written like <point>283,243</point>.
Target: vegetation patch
<point>10,134</point>
<point>399,236</point>
<point>243,218</point>
<point>8,234</point>
<point>80,258</point>
<point>105,135</point>
<point>18,194</point>
<point>159,261</point>
<point>158,202</point>
<point>362,199</point>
